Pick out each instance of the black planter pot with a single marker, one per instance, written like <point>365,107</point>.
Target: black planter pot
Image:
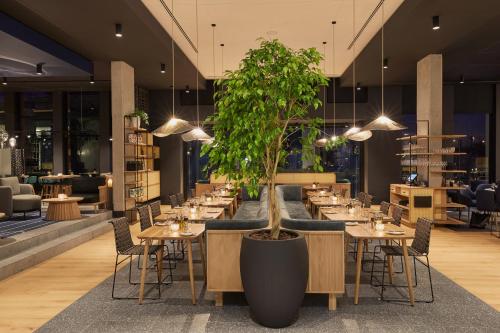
<point>274,275</point>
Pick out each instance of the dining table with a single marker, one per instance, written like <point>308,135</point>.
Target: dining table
<point>57,187</point>
<point>163,233</point>
<point>194,215</point>
<point>317,202</point>
<point>221,202</point>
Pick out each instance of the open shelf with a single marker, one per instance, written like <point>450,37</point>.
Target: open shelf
<point>435,137</point>
<point>448,171</point>
<point>430,154</point>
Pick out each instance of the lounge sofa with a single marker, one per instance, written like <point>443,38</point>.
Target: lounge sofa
<point>325,243</point>
<point>224,243</point>
<point>93,190</point>
<point>18,198</point>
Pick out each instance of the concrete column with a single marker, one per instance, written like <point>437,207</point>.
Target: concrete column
<point>430,109</point>
<point>104,130</point>
<point>122,103</point>
<point>58,150</point>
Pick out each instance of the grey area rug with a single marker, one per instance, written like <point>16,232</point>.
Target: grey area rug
<point>454,310</point>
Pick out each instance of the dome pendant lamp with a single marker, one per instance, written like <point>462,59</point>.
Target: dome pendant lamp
<point>383,123</point>
<point>174,125</point>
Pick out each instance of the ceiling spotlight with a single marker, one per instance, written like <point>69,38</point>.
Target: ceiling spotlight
<point>39,69</point>
<point>4,81</point>
<point>162,68</point>
<point>386,63</point>
<point>358,86</point>
<point>462,79</point>
<point>435,23</point>
<point>118,30</point>
<point>92,79</point>
<point>187,91</point>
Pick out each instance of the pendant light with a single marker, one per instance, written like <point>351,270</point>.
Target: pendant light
<point>174,125</point>
<point>355,133</point>
<point>383,123</point>
<point>197,133</point>
<point>323,141</point>
<point>334,136</point>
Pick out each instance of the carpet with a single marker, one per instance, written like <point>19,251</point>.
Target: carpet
<point>454,310</point>
<point>17,224</point>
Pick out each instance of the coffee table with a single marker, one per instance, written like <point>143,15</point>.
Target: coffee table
<point>63,209</point>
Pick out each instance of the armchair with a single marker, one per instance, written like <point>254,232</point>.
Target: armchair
<point>18,198</point>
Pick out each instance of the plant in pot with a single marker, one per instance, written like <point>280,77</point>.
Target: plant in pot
<point>135,118</point>
<point>259,106</point>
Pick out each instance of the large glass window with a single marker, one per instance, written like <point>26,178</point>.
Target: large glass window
<point>83,132</point>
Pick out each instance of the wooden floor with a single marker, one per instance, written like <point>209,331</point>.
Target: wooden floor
<point>30,298</point>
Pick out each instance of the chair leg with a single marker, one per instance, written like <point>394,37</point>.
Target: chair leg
<point>383,276</point>
<point>430,279</point>
<point>415,270</point>
<point>114,279</point>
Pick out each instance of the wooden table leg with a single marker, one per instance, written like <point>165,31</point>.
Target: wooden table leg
<point>203,258</point>
<point>408,272</point>
<point>144,269</point>
<point>191,274</point>
<point>359,259</point>
<point>346,247</point>
<point>389,264</point>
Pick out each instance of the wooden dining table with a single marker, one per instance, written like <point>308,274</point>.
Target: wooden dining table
<point>204,214</point>
<point>317,202</point>
<point>162,234</point>
<point>364,232</point>
<point>221,202</point>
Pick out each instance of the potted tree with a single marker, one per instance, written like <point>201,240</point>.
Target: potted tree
<point>258,106</point>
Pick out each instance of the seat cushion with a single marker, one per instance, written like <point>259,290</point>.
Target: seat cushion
<point>26,202</point>
<point>247,210</point>
<point>13,182</point>
<point>297,210</point>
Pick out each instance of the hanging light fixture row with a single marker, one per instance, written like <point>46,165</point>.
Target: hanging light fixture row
<point>173,125</point>
<point>383,123</point>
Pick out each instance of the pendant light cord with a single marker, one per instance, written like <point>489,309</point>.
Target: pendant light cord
<point>353,64</point>
<point>197,70</point>
<point>382,68</point>
<point>222,60</point>
<point>324,89</point>
<point>173,64</point>
<point>333,76</point>
<point>213,59</point>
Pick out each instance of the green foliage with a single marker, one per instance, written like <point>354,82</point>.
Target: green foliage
<point>141,114</point>
<point>257,106</point>
<point>339,142</point>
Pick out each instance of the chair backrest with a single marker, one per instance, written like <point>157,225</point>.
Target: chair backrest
<point>123,238</point>
<point>173,201</point>
<point>397,213</point>
<point>180,199</point>
<point>422,236</point>
<point>367,202</point>
<point>155,208</point>
<point>13,182</point>
<point>497,196</point>
<point>145,217</point>
<point>361,196</point>
<point>384,207</point>
<point>485,200</point>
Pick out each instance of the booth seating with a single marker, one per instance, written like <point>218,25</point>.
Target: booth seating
<point>325,242</point>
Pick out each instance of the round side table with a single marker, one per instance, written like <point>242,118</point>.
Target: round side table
<point>63,209</point>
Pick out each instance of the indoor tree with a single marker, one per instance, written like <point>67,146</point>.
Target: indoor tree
<point>258,106</point>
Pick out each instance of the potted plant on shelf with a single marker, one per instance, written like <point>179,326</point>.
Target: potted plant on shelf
<point>259,106</point>
<point>135,118</point>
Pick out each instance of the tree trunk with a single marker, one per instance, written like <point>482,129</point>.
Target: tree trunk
<point>274,214</point>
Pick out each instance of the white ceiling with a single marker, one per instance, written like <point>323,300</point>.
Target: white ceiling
<point>297,23</point>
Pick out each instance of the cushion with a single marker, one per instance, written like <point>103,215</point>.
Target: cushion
<point>247,210</point>
<point>235,224</point>
<point>13,182</point>
<point>312,225</point>
<point>26,202</point>
<point>290,192</point>
<point>297,210</point>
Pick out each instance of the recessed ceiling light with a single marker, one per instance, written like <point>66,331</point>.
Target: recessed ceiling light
<point>187,90</point>
<point>162,68</point>
<point>435,23</point>
<point>39,69</point>
<point>118,30</point>
<point>386,63</point>
<point>92,79</point>
<point>358,86</point>
<point>462,79</point>
<point>4,81</point>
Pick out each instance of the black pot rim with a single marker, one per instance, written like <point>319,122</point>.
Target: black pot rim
<point>298,235</point>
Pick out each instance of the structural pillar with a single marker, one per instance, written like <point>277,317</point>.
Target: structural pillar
<point>104,130</point>
<point>497,135</point>
<point>430,111</point>
<point>122,103</point>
